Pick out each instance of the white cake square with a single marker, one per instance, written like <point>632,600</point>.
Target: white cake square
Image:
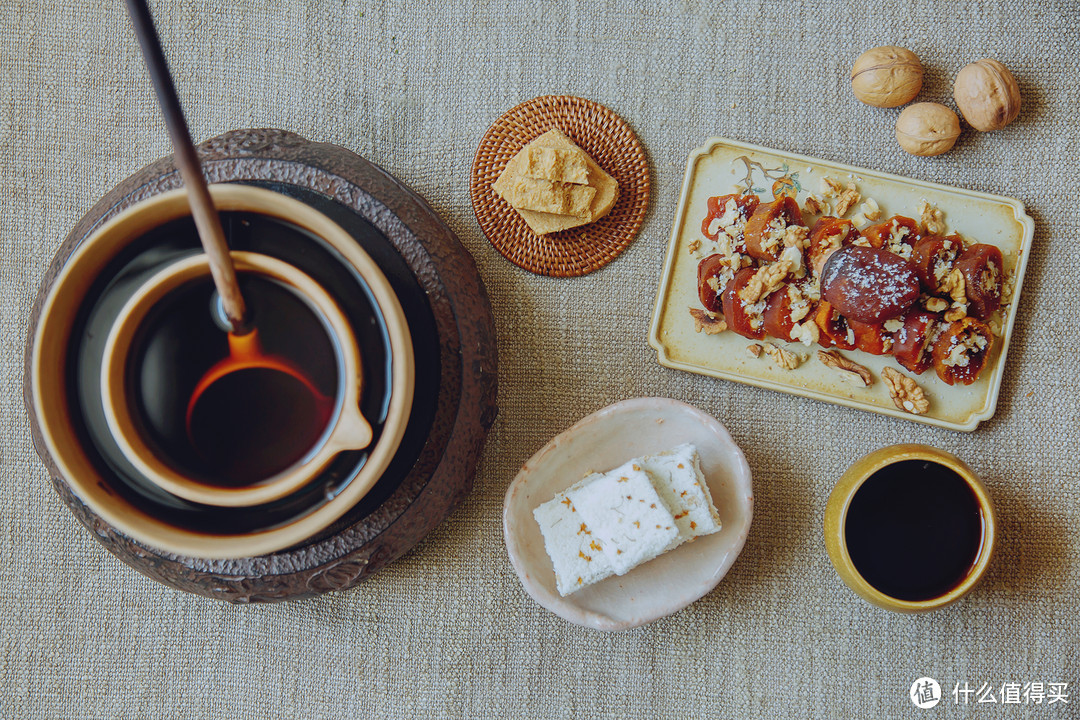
<point>677,477</point>
<point>575,553</point>
<point>627,516</point>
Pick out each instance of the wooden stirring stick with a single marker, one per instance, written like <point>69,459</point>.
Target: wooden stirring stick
<point>202,207</point>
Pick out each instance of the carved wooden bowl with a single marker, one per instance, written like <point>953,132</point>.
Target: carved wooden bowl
<point>434,471</point>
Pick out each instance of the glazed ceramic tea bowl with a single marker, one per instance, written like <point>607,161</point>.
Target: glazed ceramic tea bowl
<point>74,439</point>
<point>279,427</point>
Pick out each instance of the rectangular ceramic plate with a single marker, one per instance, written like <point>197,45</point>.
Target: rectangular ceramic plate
<point>725,166</point>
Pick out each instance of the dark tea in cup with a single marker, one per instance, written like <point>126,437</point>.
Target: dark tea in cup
<point>910,528</point>
<point>252,423</point>
<point>914,530</point>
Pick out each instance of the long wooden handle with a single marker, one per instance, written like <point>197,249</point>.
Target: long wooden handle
<point>202,206</point>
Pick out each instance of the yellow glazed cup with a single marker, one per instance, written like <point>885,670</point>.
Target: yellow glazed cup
<point>836,520</point>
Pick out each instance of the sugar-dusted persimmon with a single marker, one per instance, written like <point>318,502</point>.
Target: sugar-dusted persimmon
<point>710,284</point>
<point>726,211</point>
<point>934,257</point>
<point>833,328</point>
<point>912,342</point>
<point>898,235</point>
<point>869,284</point>
<point>983,271</point>
<point>870,337</point>
<point>961,350</point>
<point>765,229</point>
<point>742,317</point>
<point>827,236</point>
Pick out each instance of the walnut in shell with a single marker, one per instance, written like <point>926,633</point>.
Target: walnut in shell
<point>887,76</point>
<point>987,95</point>
<point>927,129</point>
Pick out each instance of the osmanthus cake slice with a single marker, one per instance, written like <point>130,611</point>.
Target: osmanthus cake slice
<point>575,552</point>
<point>676,475</point>
<point>628,517</point>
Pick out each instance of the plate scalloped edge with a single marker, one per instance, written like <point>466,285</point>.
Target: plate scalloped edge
<point>988,408</point>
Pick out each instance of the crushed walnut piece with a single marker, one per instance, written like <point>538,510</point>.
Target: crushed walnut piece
<point>703,321</point>
<point>905,392</point>
<point>807,333</point>
<point>936,304</point>
<point>694,246</point>
<point>870,210</point>
<point>795,236</point>
<point>956,287</point>
<point>829,187</point>
<point>930,218</point>
<point>956,313</point>
<point>849,370</point>
<point>754,350</point>
<point>765,281</point>
<point>784,358</point>
<point>1008,288</point>
<point>846,201</point>
<point>813,206</point>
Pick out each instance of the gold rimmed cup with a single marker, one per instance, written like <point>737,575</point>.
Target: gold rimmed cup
<point>841,544</point>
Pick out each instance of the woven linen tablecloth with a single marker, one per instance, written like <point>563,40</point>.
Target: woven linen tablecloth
<point>447,631</point>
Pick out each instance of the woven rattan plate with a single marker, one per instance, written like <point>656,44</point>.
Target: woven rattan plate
<point>610,142</point>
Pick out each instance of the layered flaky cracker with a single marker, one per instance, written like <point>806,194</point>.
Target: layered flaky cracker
<point>542,223</point>
<point>562,164</point>
<point>526,193</point>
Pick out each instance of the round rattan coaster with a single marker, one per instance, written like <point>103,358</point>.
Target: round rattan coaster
<point>611,143</point>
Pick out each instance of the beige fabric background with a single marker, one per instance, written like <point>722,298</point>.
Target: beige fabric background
<point>447,631</point>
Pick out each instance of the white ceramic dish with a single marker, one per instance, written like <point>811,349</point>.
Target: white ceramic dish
<point>725,166</point>
<point>602,441</point>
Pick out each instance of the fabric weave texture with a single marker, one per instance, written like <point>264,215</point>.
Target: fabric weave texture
<point>447,631</point>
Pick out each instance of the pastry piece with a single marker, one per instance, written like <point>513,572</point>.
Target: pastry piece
<point>627,516</point>
<point>574,551</point>
<point>543,223</point>
<point>676,475</point>
<point>527,193</point>
<point>559,164</point>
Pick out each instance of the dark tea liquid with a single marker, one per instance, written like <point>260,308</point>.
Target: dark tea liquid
<point>252,423</point>
<point>914,530</point>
